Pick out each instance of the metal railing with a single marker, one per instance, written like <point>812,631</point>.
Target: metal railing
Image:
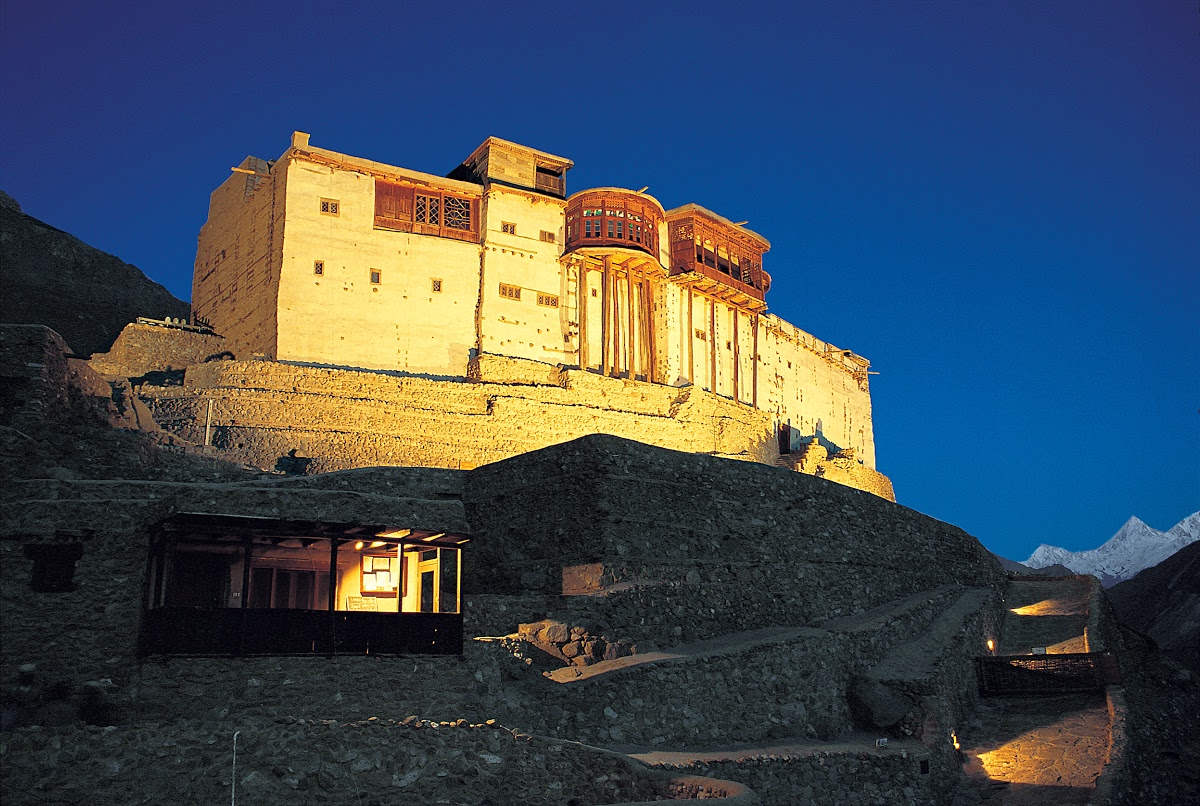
<point>1045,674</point>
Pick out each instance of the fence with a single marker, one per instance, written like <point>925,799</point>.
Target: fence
<point>1045,674</point>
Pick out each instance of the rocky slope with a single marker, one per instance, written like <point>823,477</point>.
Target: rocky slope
<point>41,267</point>
<point>1163,602</point>
<point>1133,548</point>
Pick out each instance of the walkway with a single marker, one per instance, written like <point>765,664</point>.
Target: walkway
<point>1025,751</point>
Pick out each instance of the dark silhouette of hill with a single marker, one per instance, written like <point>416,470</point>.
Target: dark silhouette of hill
<point>1014,567</point>
<point>48,277</point>
<point>1163,602</point>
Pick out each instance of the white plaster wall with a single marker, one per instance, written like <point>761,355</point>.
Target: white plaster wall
<point>522,328</point>
<point>234,282</point>
<point>800,385</point>
<point>340,317</point>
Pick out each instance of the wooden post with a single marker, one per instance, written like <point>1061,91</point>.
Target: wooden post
<point>631,344</point>
<point>604,328</point>
<point>691,341</point>
<point>712,346</point>
<point>582,302</point>
<point>754,366</point>
<point>651,357</point>
<point>737,392</point>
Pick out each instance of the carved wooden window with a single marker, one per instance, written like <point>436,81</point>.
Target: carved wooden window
<point>426,210</point>
<point>318,267</point>
<point>547,300</point>
<point>458,213</point>
<point>510,291</point>
<point>436,286</point>
<point>508,227</point>
<point>548,237</point>
<point>330,206</point>
<point>429,210</point>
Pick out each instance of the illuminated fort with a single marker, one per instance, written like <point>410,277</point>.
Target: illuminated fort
<point>492,313</point>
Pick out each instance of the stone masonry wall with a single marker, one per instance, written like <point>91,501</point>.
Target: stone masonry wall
<point>345,419</point>
<point>154,348</point>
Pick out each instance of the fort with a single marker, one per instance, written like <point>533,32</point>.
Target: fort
<point>379,315</point>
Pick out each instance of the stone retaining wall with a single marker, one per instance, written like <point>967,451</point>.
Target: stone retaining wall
<point>890,776</point>
<point>143,348</point>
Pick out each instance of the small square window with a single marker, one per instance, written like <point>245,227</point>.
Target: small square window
<point>376,277</point>
<point>436,286</point>
<point>510,291</point>
<point>548,237</point>
<point>330,206</point>
<point>318,267</point>
<point>593,292</point>
<point>702,335</point>
<point>509,227</point>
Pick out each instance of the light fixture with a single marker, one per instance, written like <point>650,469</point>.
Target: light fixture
<point>359,546</point>
<point>991,646</point>
<point>377,543</point>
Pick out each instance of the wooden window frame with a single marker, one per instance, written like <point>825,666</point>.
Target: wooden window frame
<point>512,292</point>
<point>330,207</point>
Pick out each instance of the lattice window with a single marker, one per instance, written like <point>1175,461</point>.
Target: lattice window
<point>508,227</point>
<point>318,267</point>
<point>510,291</point>
<point>429,210</point>
<point>547,300</point>
<point>457,212</point>
<point>330,206</point>
<point>436,286</point>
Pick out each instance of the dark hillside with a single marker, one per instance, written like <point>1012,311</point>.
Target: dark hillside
<point>48,277</point>
<point>1163,602</point>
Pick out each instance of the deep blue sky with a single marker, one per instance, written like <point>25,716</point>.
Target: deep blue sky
<point>997,203</point>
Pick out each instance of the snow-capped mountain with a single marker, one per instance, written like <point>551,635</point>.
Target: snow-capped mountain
<point>1135,546</point>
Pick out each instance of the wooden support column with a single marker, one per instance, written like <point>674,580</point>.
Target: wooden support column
<point>582,302</point>
<point>618,344</point>
<point>754,366</point>
<point>691,339</point>
<point>737,392</point>
<point>630,342</point>
<point>712,346</point>
<point>605,355</point>
<point>651,356</point>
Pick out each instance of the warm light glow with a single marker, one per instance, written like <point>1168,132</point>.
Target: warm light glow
<point>1053,607</point>
<point>434,537</point>
<point>954,740</point>
<point>991,645</point>
<point>395,533</point>
<point>377,543</point>
<point>359,546</point>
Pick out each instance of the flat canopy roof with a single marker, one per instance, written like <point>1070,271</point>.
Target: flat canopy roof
<point>207,523</point>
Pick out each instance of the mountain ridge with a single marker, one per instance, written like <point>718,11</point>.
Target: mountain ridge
<point>1135,547</point>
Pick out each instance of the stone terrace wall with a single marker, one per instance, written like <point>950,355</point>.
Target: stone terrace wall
<point>749,544</point>
<point>343,418</point>
<point>152,348</point>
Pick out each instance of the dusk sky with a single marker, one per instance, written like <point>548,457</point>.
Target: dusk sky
<point>997,203</point>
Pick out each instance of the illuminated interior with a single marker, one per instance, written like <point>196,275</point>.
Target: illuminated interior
<point>256,566</point>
